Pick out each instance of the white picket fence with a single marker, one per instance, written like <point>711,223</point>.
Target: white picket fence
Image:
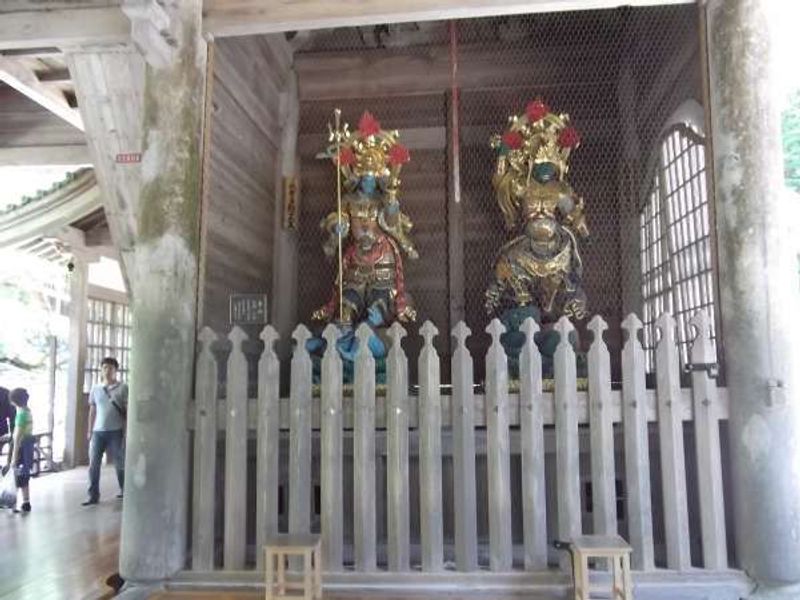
<point>461,414</point>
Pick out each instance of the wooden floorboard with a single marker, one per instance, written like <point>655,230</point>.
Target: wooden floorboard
<point>229,595</point>
<point>61,550</point>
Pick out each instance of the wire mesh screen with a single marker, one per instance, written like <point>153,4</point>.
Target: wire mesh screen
<point>677,259</point>
<point>619,74</point>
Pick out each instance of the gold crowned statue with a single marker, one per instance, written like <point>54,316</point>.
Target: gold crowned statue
<point>368,231</point>
<point>541,266</point>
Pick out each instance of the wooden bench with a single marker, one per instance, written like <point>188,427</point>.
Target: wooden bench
<point>610,547</point>
<point>278,549</point>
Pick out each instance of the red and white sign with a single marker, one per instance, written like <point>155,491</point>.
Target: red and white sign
<point>128,157</point>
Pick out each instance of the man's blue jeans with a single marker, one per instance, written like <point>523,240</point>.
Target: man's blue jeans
<point>109,442</point>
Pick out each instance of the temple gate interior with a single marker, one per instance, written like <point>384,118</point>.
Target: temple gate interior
<point>434,286</point>
<point>631,79</point>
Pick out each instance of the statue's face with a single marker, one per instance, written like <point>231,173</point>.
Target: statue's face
<point>364,232</point>
<point>368,184</point>
<point>544,172</point>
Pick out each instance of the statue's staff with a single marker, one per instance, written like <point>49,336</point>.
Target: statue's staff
<point>337,116</point>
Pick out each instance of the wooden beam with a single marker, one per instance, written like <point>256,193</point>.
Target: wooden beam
<point>23,79</point>
<point>34,52</point>
<point>109,85</point>
<point>70,27</point>
<point>45,155</point>
<point>151,31</point>
<point>339,75</point>
<point>66,27</point>
<point>246,17</point>
<point>54,76</point>
<point>414,138</point>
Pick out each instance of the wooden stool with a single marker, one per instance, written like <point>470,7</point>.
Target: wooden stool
<point>610,547</point>
<point>282,546</point>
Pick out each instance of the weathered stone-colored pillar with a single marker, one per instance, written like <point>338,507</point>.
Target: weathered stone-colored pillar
<point>759,291</point>
<point>164,286</point>
<point>74,428</point>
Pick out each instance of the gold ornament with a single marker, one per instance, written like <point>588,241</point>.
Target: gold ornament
<point>368,230</point>
<point>542,264</point>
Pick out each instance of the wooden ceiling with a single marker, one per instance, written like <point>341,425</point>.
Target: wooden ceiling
<point>39,118</point>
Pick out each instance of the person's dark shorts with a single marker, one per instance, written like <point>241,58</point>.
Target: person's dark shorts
<point>22,470</point>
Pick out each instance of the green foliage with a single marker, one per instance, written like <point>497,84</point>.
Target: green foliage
<point>791,142</point>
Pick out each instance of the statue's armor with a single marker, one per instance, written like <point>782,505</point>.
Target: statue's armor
<point>371,228</point>
<point>542,265</point>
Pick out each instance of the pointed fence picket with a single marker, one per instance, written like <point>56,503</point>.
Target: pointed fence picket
<point>670,436</point>
<point>236,455</point>
<point>430,453</point>
<point>431,412</point>
<point>567,451</point>
<point>331,459</point>
<point>399,538</point>
<point>604,498</point>
<point>268,442</point>
<point>709,460</point>
<point>205,454</point>
<point>498,452</point>
<point>531,420</point>
<point>637,453</point>
<point>300,435</point>
<point>464,482</point>
<point>364,453</point>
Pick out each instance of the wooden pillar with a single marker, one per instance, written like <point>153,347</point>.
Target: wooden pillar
<point>284,271</point>
<point>628,175</point>
<point>74,426</point>
<point>758,288</point>
<point>455,210</point>
<point>164,289</point>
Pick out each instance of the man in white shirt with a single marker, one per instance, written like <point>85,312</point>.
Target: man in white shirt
<point>108,407</point>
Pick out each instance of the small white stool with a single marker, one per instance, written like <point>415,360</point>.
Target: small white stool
<point>279,548</point>
<point>610,547</point>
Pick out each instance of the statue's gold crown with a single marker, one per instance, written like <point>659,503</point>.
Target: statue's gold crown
<point>537,136</point>
<point>369,150</point>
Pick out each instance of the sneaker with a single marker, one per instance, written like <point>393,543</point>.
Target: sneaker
<point>119,495</point>
<point>26,507</point>
<point>90,501</point>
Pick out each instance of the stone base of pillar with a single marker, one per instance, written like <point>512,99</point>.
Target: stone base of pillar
<point>786,592</point>
<point>138,592</point>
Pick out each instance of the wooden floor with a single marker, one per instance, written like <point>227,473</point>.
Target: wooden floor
<point>61,550</point>
<point>333,596</point>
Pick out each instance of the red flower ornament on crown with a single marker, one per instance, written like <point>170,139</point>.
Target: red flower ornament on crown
<point>512,139</point>
<point>368,125</point>
<point>536,110</point>
<point>569,138</point>
<point>398,155</point>
<point>346,157</point>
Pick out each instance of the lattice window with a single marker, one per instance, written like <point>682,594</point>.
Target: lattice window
<point>675,240</point>
<point>108,333</point>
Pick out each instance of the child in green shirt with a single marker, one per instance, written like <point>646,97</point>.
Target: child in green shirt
<point>22,449</point>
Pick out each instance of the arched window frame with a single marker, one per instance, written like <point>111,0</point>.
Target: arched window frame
<point>677,254</point>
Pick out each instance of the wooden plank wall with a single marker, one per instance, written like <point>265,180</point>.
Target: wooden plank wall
<point>242,171</point>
